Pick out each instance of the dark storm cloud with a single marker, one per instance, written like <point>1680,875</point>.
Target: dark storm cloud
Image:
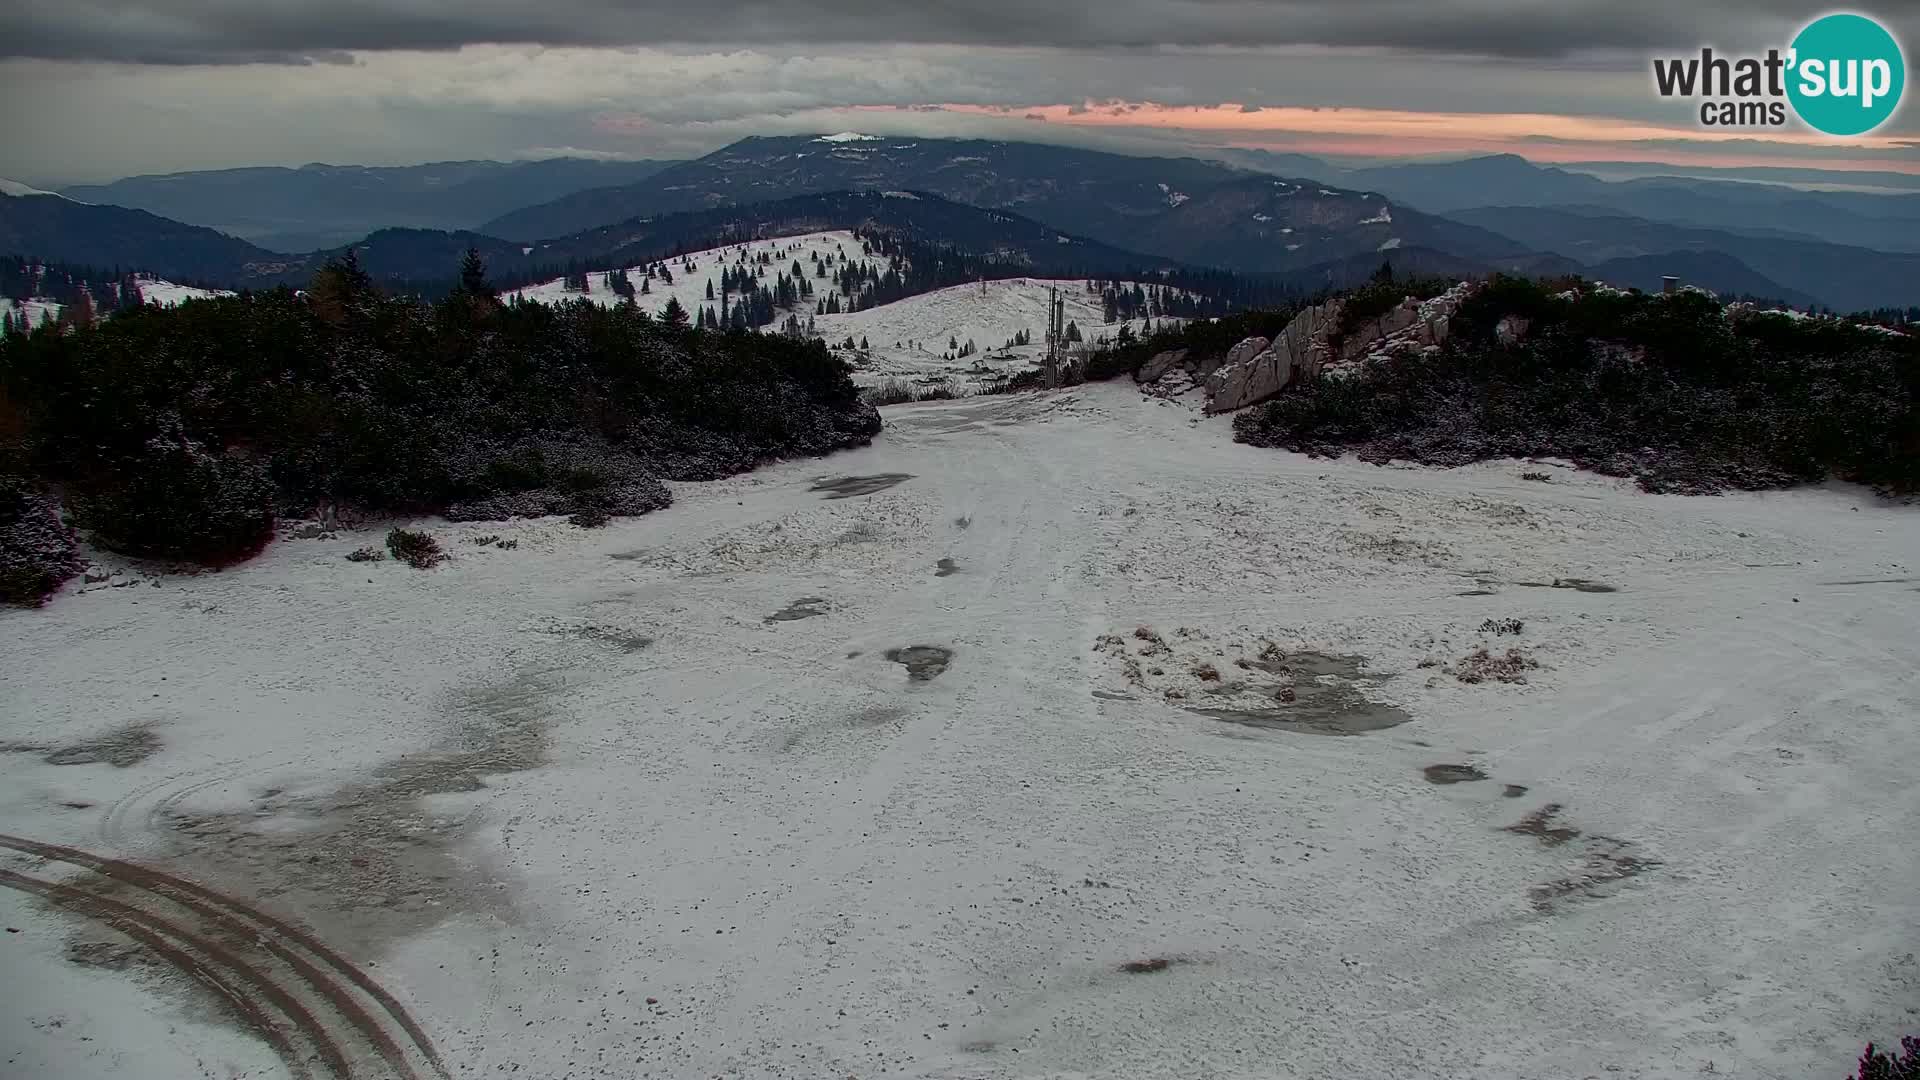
<point>243,31</point>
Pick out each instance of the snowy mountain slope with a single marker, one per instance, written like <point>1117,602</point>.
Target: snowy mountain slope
<point>908,338</point>
<point>691,288</point>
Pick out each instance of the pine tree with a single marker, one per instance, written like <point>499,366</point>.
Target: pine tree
<point>863,343</point>
<point>673,314</point>
<point>709,288</point>
<point>1073,330</point>
<point>473,275</point>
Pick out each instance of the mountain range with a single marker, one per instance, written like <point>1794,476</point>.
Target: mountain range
<point>1319,225</point>
<point>318,206</point>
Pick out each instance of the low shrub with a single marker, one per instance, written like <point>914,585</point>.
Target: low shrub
<point>38,552</point>
<point>1502,626</point>
<point>417,549</point>
<point>591,518</point>
<point>365,554</point>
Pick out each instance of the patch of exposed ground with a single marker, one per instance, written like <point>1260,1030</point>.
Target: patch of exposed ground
<point>1540,825</point>
<point>1480,666</point>
<point>946,568</point>
<point>627,641</point>
<point>924,663</point>
<point>1152,966</point>
<point>1606,863</point>
<point>1253,683</point>
<point>848,487</point>
<point>807,607</point>
<point>370,862</point>
<point>1574,583</point>
<point>121,748</point>
<point>1513,791</point>
<point>1604,860</point>
<point>1452,774</point>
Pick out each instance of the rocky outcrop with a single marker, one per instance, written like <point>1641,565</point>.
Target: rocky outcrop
<point>1256,369</point>
<point>1159,365</point>
<point>1312,344</point>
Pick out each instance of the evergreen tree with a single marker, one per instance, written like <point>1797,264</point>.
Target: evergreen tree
<point>1073,330</point>
<point>674,315</point>
<point>473,275</point>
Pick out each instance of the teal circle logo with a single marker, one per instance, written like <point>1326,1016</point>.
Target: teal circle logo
<point>1847,74</point>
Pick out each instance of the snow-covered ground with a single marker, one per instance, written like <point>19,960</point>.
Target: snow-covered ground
<point>652,800</point>
<point>908,338</point>
<point>153,290</point>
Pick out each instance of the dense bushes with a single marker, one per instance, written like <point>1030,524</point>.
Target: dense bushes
<point>180,501</point>
<point>1668,389</point>
<point>37,549</point>
<point>177,432</point>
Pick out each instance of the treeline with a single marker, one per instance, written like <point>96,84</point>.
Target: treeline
<point>183,432</point>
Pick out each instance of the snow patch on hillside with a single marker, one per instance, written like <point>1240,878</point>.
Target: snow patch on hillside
<point>847,136</point>
<point>691,288</point>
<point>160,291</point>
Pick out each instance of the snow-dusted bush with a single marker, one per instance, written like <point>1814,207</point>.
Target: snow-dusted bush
<point>37,550</point>
<point>180,500</point>
<point>417,549</point>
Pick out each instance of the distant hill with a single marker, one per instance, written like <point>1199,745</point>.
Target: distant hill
<point>1881,222</point>
<point>108,237</point>
<point>1840,277</point>
<point>318,206</point>
<point>1086,192</point>
<point>1267,224</point>
<point>52,227</point>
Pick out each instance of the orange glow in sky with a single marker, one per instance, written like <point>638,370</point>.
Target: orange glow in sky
<point>1404,133</point>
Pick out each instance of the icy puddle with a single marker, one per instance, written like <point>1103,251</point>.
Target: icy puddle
<point>848,487</point>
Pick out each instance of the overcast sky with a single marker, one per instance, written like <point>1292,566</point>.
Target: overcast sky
<point>99,89</point>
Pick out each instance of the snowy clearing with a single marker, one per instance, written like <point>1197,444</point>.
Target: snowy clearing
<point>1001,748</point>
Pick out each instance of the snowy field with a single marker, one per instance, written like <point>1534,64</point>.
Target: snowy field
<point>653,800</point>
<point>909,339</point>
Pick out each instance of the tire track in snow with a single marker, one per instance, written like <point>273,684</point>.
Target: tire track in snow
<point>299,975</point>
